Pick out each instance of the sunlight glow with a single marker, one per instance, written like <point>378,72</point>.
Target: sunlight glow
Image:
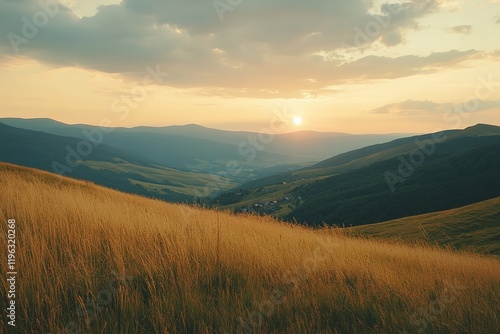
<point>297,120</point>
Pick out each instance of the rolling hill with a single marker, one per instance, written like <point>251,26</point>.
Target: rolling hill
<point>93,260</point>
<point>368,155</point>
<point>444,181</point>
<point>366,186</point>
<point>474,227</point>
<point>102,164</point>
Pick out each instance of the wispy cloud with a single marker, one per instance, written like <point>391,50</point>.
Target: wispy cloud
<point>420,108</point>
<point>461,29</point>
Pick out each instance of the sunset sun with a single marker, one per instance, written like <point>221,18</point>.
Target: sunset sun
<point>297,120</point>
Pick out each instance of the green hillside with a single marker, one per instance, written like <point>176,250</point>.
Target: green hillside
<point>104,165</point>
<point>443,181</point>
<point>459,167</point>
<point>366,156</point>
<point>475,227</point>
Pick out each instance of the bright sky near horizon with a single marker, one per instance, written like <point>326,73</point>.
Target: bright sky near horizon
<point>357,66</point>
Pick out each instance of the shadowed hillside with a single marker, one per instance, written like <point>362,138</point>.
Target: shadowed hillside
<point>405,177</point>
<point>454,176</point>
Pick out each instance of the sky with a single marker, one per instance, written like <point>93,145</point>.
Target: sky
<point>355,66</point>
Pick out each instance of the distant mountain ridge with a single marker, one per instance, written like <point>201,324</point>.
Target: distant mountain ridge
<point>197,148</point>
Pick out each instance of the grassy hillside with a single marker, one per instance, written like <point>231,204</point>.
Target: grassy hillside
<point>355,189</point>
<point>162,180</point>
<point>475,227</point>
<point>445,180</point>
<point>104,165</point>
<point>93,260</point>
<point>346,162</point>
<point>368,155</point>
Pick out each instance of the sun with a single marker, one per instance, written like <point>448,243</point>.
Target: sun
<point>297,120</point>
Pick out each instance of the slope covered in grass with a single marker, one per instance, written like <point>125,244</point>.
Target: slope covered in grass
<point>443,181</point>
<point>105,165</point>
<point>405,177</point>
<point>93,260</point>
<point>475,227</point>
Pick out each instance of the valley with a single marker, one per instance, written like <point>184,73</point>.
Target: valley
<point>350,189</point>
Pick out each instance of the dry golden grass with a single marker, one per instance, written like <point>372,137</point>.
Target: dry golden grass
<point>93,260</point>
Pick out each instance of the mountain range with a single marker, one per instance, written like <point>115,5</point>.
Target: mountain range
<point>290,176</point>
<point>196,148</point>
<point>176,163</point>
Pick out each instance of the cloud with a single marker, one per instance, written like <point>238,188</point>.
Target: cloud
<point>278,76</point>
<point>452,5</point>
<point>262,48</point>
<point>497,19</point>
<point>422,108</point>
<point>461,29</point>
